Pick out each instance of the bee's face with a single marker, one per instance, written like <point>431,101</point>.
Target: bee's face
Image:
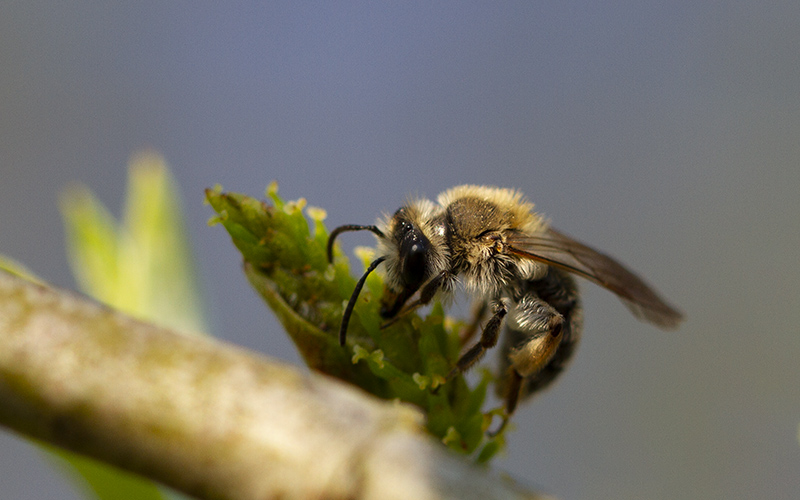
<point>415,249</point>
<point>413,246</point>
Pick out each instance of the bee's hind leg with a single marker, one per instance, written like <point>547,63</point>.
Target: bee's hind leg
<point>535,331</point>
<point>512,385</point>
<point>543,331</point>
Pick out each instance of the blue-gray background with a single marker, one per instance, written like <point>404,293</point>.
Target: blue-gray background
<point>667,134</point>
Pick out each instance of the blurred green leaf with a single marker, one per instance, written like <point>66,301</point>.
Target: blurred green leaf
<point>158,253</point>
<point>104,481</point>
<point>92,245</point>
<point>144,266</point>
<point>15,267</point>
<point>285,260</point>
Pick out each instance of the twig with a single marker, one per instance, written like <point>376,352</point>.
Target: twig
<point>207,418</point>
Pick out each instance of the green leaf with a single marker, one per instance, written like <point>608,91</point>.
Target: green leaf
<point>93,246</point>
<point>18,269</point>
<point>143,266</point>
<point>104,481</point>
<point>158,251</point>
<point>285,260</point>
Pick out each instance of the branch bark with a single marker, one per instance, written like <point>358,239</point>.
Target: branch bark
<point>207,418</point>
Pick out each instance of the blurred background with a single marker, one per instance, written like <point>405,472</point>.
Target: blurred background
<point>666,135</point>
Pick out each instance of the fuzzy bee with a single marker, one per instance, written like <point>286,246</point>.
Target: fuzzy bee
<point>518,268</point>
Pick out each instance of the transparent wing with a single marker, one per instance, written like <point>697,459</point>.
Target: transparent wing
<point>555,249</point>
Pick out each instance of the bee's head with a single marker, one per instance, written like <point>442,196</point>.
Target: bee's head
<point>408,264</point>
<point>412,244</point>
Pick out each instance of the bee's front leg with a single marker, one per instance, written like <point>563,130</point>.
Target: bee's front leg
<point>443,282</point>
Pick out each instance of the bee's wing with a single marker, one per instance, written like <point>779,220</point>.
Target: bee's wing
<point>558,250</point>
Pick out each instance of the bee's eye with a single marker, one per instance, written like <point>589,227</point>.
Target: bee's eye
<point>413,255</point>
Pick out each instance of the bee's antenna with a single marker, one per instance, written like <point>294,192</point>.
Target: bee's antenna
<point>350,305</point>
<point>349,227</point>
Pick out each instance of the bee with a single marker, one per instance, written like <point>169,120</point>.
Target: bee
<point>520,270</point>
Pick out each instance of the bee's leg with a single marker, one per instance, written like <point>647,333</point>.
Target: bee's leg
<point>479,309</point>
<point>526,349</point>
<point>535,332</point>
<point>488,340</point>
<point>512,395</point>
<point>442,281</point>
<point>513,384</point>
